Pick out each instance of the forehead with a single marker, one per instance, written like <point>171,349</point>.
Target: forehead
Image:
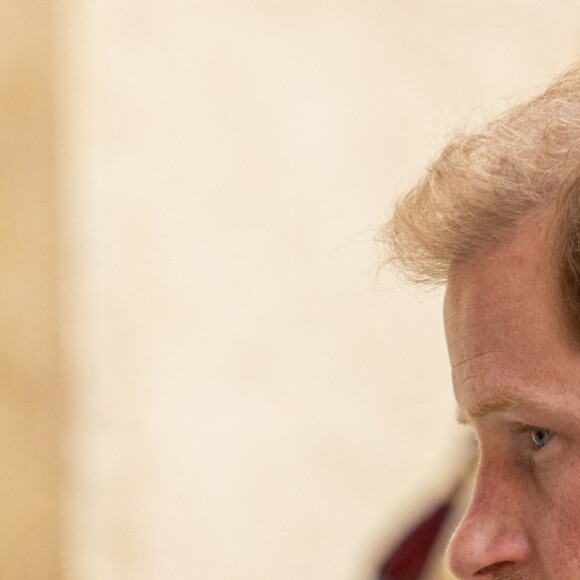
<point>513,285</point>
<point>502,324</point>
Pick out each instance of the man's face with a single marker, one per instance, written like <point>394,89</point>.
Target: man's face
<point>516,375</point>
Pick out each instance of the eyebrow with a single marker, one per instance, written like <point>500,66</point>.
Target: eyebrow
<point>489,405</point>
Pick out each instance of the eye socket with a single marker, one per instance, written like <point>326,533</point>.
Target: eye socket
<point>540,437</point>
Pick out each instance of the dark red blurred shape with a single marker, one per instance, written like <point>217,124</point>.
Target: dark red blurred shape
<point>407,561</point>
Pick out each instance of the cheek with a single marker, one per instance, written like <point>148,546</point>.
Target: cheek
<point>554,518</point>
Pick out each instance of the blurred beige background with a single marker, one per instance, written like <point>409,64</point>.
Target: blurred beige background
<point>200,377</point>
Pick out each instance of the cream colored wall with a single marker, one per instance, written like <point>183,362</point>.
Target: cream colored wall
<point>247,404</point>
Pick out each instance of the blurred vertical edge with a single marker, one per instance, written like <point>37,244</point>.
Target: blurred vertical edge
<point>32,399</point>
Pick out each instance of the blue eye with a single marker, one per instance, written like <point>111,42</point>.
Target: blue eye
<point>540,436</point>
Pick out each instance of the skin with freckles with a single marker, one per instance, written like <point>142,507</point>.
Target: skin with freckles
<point>516,376</point>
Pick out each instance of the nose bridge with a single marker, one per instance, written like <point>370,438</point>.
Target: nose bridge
<point>492,486</point>
<point>492,530</point>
